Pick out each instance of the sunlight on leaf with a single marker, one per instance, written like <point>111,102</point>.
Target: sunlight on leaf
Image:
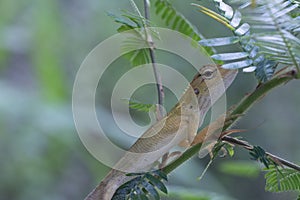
<point>237,65</point>
<point>219,41</point>
<point>230,56</point>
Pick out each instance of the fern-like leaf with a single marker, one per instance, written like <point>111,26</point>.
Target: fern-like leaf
<point>272,29</point>
<point>176,21</point>
<point>249,58</point>
<point>281,180</point>
<point>136,48</point>
<point>267,34</point>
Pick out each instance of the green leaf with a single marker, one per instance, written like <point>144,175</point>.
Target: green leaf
<point>161,174</point>
<point>219,41</point>
<point>136,48</point>
<point>136,105</point>
<point>176,21</point>
<point>272,20</point>
<point>282,180</point>
<point>230,56</point>
<point>138,57</point>
<point>157,183</point>
<point>229,149</point>
<point>141,187</point>
<point>122,20</point>
<point>267,33</point>
<point>243,29</point>
<point>223,19</point>
<point>265,70</point>
<point>237,65</point>
<point>259,154</point>
<point>236,20</point>
<point>151,190</point>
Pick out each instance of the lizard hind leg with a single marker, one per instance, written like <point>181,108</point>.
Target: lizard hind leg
<point>167,156</point>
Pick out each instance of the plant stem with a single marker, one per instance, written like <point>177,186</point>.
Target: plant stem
<point>159,86</point>
<point>184,157</point>
<point>146,9</point>
<point>247,146</point>
<point>237,113</point>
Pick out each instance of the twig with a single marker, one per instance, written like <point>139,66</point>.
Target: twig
<point>248,146</point>
<point>149,40</point>
<point>159,86</point>
<point>146,9</point>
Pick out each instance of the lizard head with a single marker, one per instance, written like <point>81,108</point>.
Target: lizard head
<point>211,79</point>
<point>206,88</point>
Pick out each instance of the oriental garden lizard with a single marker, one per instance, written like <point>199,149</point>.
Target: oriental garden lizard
<point>178,126</point>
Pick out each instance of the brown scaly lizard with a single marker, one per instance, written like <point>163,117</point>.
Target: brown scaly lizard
<point>180,124</point>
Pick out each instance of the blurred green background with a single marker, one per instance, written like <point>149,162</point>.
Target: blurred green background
<point>42,44</point>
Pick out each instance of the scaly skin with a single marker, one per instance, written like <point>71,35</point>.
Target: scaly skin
<point>180,124</point>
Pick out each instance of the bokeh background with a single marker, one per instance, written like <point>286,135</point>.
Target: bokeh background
<point>42,44</point>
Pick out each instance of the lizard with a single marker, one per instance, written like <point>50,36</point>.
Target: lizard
<point>180,124</point>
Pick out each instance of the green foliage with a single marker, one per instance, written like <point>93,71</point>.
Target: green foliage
<point>138,45</point>
<point>221,149</point>
<point>143,186</point>
<point>136,105</point>
<point>126,22</point>
<point>176,21</point>
<point>136,49</point>
<point>281,180</point>
<point>229,149</point>
<point>259,154</point>
<point>240,168</point>
<point>278,179</point>
<point>267,35</point>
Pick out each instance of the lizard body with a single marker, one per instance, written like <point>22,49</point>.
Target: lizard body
<point>180,124</point>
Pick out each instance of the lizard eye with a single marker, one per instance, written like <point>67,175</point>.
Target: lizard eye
<point>208,74</point>
<point>196,90</point>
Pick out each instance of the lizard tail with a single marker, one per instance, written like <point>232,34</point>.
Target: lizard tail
<point>108,186</point>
